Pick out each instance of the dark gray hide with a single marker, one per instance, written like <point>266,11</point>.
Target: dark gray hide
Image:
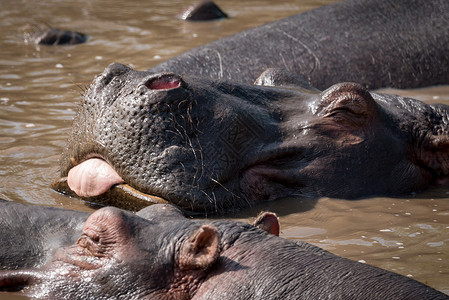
<point>163,256</point>
<point>403,44</point>
<point>31,234</point>
<point>208,145</point>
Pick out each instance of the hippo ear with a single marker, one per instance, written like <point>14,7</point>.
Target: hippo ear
<point>160,212</point>
<point>281,77</point>
<point>435,157</point>
<point>201,250</point>
<point>16,280</point>
<point>268,222</point>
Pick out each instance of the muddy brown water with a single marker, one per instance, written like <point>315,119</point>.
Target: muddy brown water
<point>40,86</point>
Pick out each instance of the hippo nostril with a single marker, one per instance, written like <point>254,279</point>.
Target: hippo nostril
<point>164,82</point>
<point>111,71</point>
<point>116,69</point>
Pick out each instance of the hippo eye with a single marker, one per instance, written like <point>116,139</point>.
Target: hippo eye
<point>350,104</point>
<point>86,239</point>
<point>95,238</point>
<point>90,241</point>
<point>164,82</point>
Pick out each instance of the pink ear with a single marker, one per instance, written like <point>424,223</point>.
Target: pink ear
<point>201,250</point>
<point>164,82</point>
<point>268,222</point>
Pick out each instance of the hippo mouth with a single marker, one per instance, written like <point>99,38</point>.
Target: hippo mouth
<point>96,181</point>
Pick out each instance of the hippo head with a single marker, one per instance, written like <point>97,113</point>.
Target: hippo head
<point>122,256</point>
<point>154,254</point>
<point>208,145</point>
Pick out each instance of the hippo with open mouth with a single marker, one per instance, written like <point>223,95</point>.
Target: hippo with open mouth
<point>208,146</point>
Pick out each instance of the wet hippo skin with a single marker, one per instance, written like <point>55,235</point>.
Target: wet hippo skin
<point>209,146</point>
<point>402,44</point>
<point>31,234</point>
<point>159,254</point>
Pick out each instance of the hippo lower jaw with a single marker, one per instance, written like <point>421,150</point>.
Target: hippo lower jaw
<point>96,180</point>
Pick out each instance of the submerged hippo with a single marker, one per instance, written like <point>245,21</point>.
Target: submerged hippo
<point>400,44</point>
<point>202,11</point>
<point>159,254</point>
<point>54,36</point>
<point>208,145</point>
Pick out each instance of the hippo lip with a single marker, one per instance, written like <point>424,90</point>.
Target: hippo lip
<point>95,179</point>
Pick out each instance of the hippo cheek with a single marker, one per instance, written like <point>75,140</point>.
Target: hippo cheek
<point>337,136</point>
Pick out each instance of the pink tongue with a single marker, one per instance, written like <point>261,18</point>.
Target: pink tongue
<point>92,178</point>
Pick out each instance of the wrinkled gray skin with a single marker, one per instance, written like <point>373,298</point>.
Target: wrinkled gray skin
<point>208,145</point>
<point>397,43</point>
<point>158,254</point>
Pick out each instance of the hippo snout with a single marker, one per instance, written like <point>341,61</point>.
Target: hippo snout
<point>161,81</point>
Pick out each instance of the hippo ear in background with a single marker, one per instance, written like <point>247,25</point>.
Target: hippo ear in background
<point>16,280</point>
<point>281,77</point>
<point>201,250</point>
<point>268,222</point>
<point>203,11</point>
<point>160,212</point>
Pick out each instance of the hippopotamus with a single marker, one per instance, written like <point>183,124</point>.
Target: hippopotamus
<point>54,36</point>
<point>213,145</point>
<point>31,234</point>
<point>159,254</point>
<point>202,11</point>
<point>401,44</point>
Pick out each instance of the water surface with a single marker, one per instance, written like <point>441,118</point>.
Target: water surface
<point>40,88</point>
